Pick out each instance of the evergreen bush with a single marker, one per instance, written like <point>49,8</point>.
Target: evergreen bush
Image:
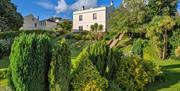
<point>137,48</point>
<point>60,67</point>
<point>87,78</point>
<point>133,73</point>
<point>29,63</point>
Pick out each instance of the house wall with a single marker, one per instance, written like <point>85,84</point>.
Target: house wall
<point>47,25</point>
<point>30,23</point>
<point>102,17</point>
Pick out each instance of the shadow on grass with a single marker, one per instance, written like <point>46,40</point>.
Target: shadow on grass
<point>171,77</point>
<point>171,66</point>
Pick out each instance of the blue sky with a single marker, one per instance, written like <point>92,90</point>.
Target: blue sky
<point>48,8</point>
<point>63,8</point>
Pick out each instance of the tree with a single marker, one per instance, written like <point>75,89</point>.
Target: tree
<point>162,7</point>
<point>96,27</point>
<point>29,63</point>
<point>60,67</point>
<point>100,27</point>
<point>158,32</point>
<point>10,19</point>
<point>66,25</point>
<point>177,52</point>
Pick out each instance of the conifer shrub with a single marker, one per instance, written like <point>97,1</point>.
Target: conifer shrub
<point>137,48</point>
<point>29,63</point>
<point>60,67</point>
<point>100,55</point>
<point>87,78</point>
<point>133,73</point>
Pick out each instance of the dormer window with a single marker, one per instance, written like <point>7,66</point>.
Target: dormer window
<point>95,16</point>
<point>80,18</point>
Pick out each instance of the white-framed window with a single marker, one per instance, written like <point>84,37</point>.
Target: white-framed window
<point>94,16</point>
<point>80,17</point>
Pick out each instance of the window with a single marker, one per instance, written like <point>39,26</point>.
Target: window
<point>35,25</point>
<point>80,18</point>
<point>80,28</point>
<point>95,16</point>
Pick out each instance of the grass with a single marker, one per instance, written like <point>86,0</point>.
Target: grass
<point>171,69</point>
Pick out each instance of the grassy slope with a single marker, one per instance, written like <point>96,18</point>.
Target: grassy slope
<point>172,74</point>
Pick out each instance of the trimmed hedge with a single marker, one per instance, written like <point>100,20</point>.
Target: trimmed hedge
<point>60,67</point>
<point>29,63</point>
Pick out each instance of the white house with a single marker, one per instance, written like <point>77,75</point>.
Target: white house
<point>83,19</point>
<point>33,23</point>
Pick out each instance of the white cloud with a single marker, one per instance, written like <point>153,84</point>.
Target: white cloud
<point>45,4</point>
<point>61,7</point>
<point>87,3</point>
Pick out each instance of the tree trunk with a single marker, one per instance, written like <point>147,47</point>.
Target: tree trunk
<point>165,45</point>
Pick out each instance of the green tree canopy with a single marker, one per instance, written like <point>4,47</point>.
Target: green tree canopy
<point>10,19</point>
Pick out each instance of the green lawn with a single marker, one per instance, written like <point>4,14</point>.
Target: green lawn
<point>171,69</point>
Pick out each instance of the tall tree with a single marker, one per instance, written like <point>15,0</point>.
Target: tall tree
<point>162,7</point>
<point>10,19</point>
<point>158,31</point>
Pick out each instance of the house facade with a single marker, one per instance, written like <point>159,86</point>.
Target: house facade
<point>84,19</point>
<point>33,23</point>
<point>30,23</point>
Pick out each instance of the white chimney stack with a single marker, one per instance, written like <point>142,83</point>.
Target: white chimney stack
<point>112,3</point>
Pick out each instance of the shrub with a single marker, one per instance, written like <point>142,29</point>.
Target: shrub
<point>5,46</point>
<point>101,56</point>
<point>29,63</point>
<point>175,41</point>
<point>133,73</point>
<point>3,73</point>
<point>137,48</point>
<point>177,52</point>
<point>87,78</point>
<point>60,67</point>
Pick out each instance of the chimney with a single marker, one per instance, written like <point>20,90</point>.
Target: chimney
<point>112,3</point>
<point>83,7</point>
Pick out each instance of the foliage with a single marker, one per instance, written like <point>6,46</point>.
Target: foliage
<point>3,73</point>
<point>158,31</point>
<point>162,7</point>
<point>60,67</point>
<point>133,73</point>
<point>100,55</point>
<point>87,77</point>
<point>29,63</point>
<point>96,27</point>
<point>5,47</point>
<point>137,48</point>
<point>66,25</point>
<point>175,40</point>
<point>177,52</point>
<point>10,19</point>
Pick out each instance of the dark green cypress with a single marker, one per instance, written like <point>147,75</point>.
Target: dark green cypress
<point>29,63</point>
<point>60,67</point>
